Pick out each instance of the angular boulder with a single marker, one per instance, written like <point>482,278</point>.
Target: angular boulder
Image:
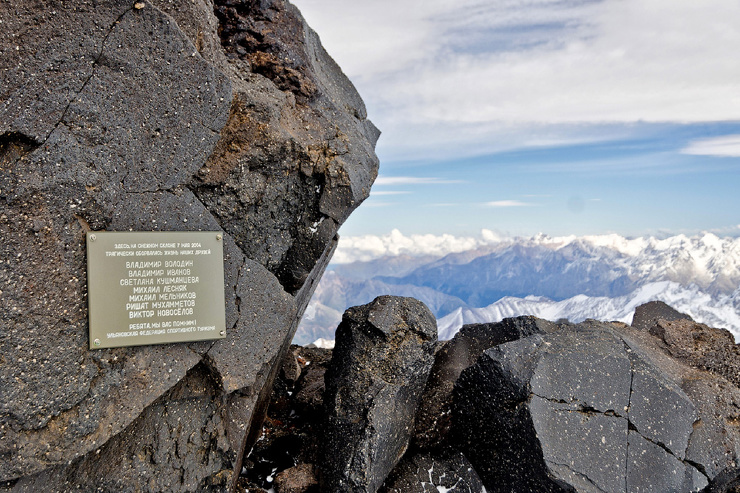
<point>647,314</point>
<point>380,363</point>
<point>147,116</point>
<point>594,407</point>
<point>434,417</point>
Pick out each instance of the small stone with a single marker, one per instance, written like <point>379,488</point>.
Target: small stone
<point>298,479</point>
<point>139,5</point>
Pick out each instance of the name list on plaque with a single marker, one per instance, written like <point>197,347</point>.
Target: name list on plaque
<point>154,287</point>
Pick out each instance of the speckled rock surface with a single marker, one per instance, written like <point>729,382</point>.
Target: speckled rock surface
<point>647,314</point>
<point>384,351</point>
<point>448,471</point>
<point>297,479</point>
<point>434,417</point>
<point>120,115</point>
<point>594,407</point>
<point>700,346</point>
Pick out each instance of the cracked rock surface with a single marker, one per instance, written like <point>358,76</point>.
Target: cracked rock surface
<point>432,473</point>
<point>120,115</point>
<point>384,351</point>
<point>592,407</point>
<point>434,416</point>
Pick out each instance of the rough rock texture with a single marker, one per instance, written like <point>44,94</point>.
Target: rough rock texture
<point>116,116</point>
<point>702,347</point>
<point>434,417</point>
<point>298,479</point>
<point>595,407</point>
<point>432,473</point>
<point>384,351</point>
<point>647,314</point>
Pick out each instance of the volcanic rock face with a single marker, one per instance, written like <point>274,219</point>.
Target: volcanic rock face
<point>434,417</point>
<point>594,407</point>
<point>591,407</point>
<point>381,361</point>
<point>138,116</point>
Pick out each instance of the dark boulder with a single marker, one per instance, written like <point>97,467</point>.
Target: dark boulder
<point>140,116</point>
<point>380,363</point>
<point>594,407</point>
<point>434,417</point>
<point>647,314</point>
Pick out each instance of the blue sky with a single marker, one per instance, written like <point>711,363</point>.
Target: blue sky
<point>562,117</point>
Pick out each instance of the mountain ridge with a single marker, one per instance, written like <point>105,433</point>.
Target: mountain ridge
<point>552,269</point>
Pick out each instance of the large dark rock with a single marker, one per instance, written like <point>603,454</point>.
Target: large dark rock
<point>120,115</point>
<point>647,314</point>
<point>380,363</point>
<point>434,417</point>
<point>594,407</point>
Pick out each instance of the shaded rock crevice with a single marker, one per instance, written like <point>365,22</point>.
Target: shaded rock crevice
<point>13,147</point>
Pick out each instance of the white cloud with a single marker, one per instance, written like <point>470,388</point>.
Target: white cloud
<point>508,203</point>
<point>369,247</point>
<point>726,146</point>
<point>371,203</point>
<point>473,75</point>
<point>388,192</point>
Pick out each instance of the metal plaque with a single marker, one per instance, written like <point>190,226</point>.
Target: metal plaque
<point>155,287</point>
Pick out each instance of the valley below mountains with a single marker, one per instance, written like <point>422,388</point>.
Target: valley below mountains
<point>575,278</point>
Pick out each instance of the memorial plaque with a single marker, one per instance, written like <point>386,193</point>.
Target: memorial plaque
<point>154,287</point>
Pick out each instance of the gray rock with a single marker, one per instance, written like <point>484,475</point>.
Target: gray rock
<point>119,118</point>
<point>702,347</point>
<point>584,408</point>
<point>380,363</point>
<point>647,314</point>
<point>434,417</point>
<point>432,473</point>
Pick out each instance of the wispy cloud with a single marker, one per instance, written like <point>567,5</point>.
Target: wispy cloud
<point>371,203</point>
<point>412,180</point>
<point>368,247</point>
<point>726,146</point>
<point>379,193</point>
<point>508,203</point>
<point>462,77</point>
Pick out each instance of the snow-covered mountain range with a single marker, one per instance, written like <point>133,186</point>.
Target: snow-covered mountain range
<point>603,277</point>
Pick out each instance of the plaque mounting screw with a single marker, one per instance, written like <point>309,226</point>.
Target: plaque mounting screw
<point>93,237</point>
<point>223,332</point>
<point>96,342</point>
<point>219,236</point>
